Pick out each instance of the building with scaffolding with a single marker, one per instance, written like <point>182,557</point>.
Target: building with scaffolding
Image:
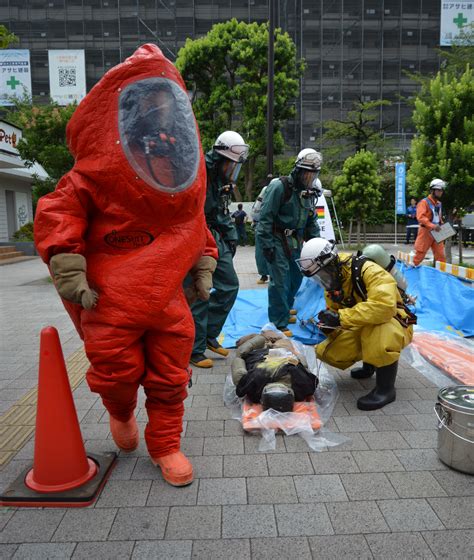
<point>354,49</point>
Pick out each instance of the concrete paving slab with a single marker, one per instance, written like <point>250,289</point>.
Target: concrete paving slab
<point>248,521</point>
<point>450,544</point>
<point>139,523</point>
<point>356,518</point>
<point>225,491</point>
<point>228,549</point>
<point>335,547</point>
<point>368,486</point>
<point>415,484</point>
<point>399,546</point>
<point>320,488</point>
<point>280,547</point>
<point>85,525</point>
<point>455,513</point>
<point>198,522</point>
<point>409,515</point>
<point>271,490</point>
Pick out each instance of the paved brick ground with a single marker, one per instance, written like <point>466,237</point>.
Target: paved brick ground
<point>383,495</point>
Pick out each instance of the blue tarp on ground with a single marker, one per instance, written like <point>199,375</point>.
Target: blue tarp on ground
<point>249,315</point>
<point>444,303</point>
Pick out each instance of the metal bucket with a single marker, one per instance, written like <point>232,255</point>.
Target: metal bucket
<point>455,412</point>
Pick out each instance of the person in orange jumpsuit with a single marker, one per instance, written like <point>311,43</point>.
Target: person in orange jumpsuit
<point>429,216</point>
<point>120,232</point>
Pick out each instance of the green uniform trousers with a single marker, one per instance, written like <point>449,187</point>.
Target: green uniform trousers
<point>209,316</point>
<point>262,265</point>
<point>285,280</point>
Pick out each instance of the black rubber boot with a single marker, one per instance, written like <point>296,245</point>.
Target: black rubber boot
<point>363,372</point>
<point>384,392</point>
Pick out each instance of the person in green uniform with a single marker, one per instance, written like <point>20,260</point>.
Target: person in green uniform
<point>223,165</point>
<point>287,218</point>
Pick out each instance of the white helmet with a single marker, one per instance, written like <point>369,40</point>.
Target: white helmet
<point>438,184</point>
<point>231,145</point>
<point>309,159</point>
<point>315,255</point>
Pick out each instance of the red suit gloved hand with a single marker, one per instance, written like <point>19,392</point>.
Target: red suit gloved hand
<point>69,275</point>
<point>328,321</point>
<point>202,280</point>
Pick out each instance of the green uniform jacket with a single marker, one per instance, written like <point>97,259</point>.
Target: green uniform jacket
<point>216,219</point>
<point>285,215</point>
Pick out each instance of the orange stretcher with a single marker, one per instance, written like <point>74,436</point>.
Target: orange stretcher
<point>251,411</point>
<point>453,358</point>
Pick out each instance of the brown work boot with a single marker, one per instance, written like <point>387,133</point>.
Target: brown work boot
<point>125,434</point>
<point>175,468</point>
<point>199,360</point>
<point>214,346</point>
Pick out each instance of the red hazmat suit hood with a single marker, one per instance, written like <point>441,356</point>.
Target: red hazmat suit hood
<point>135,138</point>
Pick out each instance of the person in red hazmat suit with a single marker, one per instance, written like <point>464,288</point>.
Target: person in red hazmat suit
<point>120,232</point>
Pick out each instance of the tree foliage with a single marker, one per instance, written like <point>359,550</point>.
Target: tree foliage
<point>6,38</point>
<point>44,140</point>
<point>359,130</point>
<point>357,189</point>
<point>444,144</point>
<point>226,70</point>
<point>461,53</point>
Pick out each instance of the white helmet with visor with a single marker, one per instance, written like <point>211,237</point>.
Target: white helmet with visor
<point>231,146</point>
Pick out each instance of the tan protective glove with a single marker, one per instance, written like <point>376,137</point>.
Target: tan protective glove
<point>69,275</point>
<point>202,280</point>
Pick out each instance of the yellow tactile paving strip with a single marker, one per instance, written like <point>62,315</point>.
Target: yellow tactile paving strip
<point>18,423</point>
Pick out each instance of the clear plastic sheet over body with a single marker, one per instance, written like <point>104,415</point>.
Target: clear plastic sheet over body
<point>300,421</point>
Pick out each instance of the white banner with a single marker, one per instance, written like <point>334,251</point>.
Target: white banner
<point>324,218</point>
<point>454,16</point>
<point>15,75</point>
<point>67,76</point>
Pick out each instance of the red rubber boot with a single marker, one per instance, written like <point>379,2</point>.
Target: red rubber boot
<point>175,468</point>
<point>125,434</point>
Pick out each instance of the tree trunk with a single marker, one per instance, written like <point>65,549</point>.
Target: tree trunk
<point>237,195</point>
<point>349,241</point>
<point>460,244</point>
<point>358,234</point>
<point>364,226</point>
<point>249,174</point>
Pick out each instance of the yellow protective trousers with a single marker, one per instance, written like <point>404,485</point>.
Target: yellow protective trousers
<point>378,345</point>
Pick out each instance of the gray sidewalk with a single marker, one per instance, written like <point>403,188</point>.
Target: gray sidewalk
<point>383,495</point>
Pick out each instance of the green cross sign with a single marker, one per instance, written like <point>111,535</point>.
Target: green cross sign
<point>460,20</point>
<point>13,82</point>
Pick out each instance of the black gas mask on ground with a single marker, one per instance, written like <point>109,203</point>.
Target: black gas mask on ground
<point>278,396</point>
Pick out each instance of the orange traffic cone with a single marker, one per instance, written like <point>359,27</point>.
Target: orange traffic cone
<point>62,473</point>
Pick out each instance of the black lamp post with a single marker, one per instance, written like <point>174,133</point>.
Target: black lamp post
<point>270,89</point>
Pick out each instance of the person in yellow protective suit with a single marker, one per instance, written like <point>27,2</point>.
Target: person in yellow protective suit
<point>365,317</point>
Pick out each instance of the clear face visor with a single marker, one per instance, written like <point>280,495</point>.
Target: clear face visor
<point>307,178</point>
<point>158,134</point>
<point>328,277</point>
<point>322,270</point>
<point>230,170</point>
